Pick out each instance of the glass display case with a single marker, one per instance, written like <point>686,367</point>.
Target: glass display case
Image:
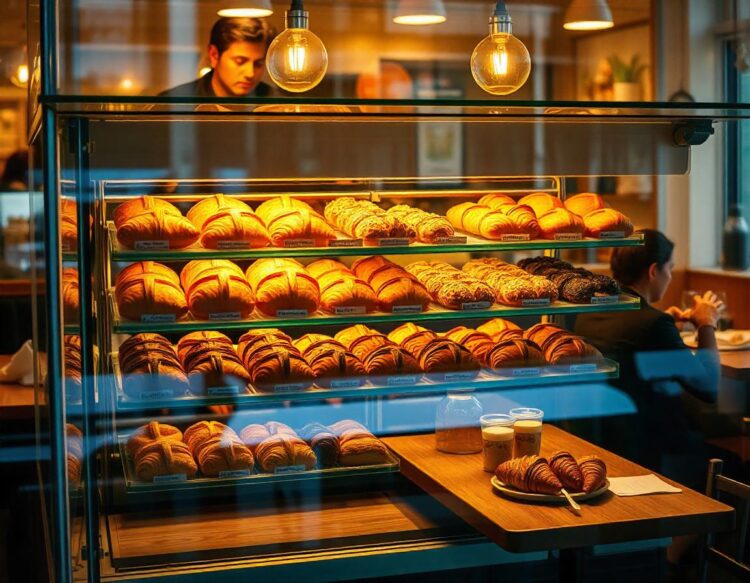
<point>293,359</point>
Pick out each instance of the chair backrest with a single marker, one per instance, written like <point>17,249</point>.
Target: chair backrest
<point>734,563</point>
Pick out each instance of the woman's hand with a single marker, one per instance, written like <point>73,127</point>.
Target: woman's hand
<point>705,311</point>
<point>678,314</point>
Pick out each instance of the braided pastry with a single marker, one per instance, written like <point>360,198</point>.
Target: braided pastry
<point>429,227</point>
<point>289,219</point>
<point>362,219</point>
<point>223,220</point>
<point>284,450</point>
<point>481,220</point>
<point>566,469</point>
<point>512,286</point>
<point>163,458</point>
<point>594,472</point>
<point>151,219</point>
<point>529,473</point>
<point>451,287</point>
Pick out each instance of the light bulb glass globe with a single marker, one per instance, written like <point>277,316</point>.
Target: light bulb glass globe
<point>297,60</point>
<point>500,64</point>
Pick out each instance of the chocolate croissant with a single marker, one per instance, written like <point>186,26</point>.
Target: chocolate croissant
<point>529,473</point>
<point>429,227</point>
<point>224,221</point>
<point>481,220</point>
<point>284,450</point>
<point>594,472</point>
<point>290,219</point>
<point>566,469</point>
<point>151,219</point>
<point>163,458</point>
<point>283,284</point>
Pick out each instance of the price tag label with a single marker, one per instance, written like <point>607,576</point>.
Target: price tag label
<point>224,316</point>
<point>170,478</point>
<point>568,236</point>
<point>291,313</point>
<point>154,395</point>
<point>530,303</point>
<point>525,372</point>
<point>406,309</point>
<point>345,383</point>
<point>229,245</point>
<point>582,368</point>
<point>605,299</point>
<point>395,242</point>
<point>222,391</point>
<point>289,469</point>
<point>401,380</point>
<point>346,243</point>
<point>475,306</point>
<point>157,318</point>
<point>515,237</point>
<point>347,310</point>
<point>296,243</point>
<point>152,245</point>
<point>450,377</point>
<point>65,247</point>
<point>234,474</point>
<point>457,240</point>
<point>612,235</point>
<point>289,388</point>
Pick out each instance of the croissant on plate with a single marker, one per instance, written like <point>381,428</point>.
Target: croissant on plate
<point>323,442</point>
<point>284,450</point>
<point>290,219</point>
<point>541,202</point>
<point>566,469</point>
<point>584,203</point>
<point>429,227</point>
<point>147,219</point>
<point>481,220</point>
<point>529,473</point>
<point>224,221</point>
<point>516,353</point>
<point>362,219</point>
<point>451,287</point>
<point>559,221</point>
<point>283,284</point>
<point>497,325</point>
<point>607,220</point>
<point>70,295</point>
<point>478,343</point>
<point>164,458</point>
<point>594,472</point>
<point>392,284</point>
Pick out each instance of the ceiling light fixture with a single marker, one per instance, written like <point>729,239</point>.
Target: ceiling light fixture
<point>588,15</point>
<point>245,8</point>
<point>420,12</point>
<point>21,77</point>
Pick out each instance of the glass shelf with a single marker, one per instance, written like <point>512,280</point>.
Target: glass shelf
<point>435,313</point>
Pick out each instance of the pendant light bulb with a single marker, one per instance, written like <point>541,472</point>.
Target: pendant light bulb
<point>420,12</point>
<point>588,15</point>
<point>297,60</point>
<point>501,63</point>
<point>245,8</point>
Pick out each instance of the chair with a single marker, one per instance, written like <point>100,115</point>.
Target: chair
<point>734,563</point>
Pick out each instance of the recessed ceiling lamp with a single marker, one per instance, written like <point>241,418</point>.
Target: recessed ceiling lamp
<point>245,8</point>
<point>588,15</point>
<point>420,12</point>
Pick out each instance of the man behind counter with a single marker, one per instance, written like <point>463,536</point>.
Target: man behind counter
<point>237,54</point>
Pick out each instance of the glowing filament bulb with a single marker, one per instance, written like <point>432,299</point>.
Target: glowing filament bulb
<point>500,62</point>
<point>296,56</point>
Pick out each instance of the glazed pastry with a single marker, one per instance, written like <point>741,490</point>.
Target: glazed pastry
<point>152,432</point>
<point>497,325</point>
<point>541,202</point>
<point>566,469</point>
<point>164,458</point>
<point>70,295</point>
<point>216,287</point>
<point>223,220</point>
<point>284,450</point>
<point>607,220</point>
<point>481,220</point>
<point>390,360</point>
<point>253,435</point>
<point>451,287</point>
<point>559,221</point>
<point>515,353</point>
<point>290,219</point>
<point>584,203</point>
<point>512,286</point>
<point>198,434</point>
<point>147,290</point>
<point>529,473</point>
<point>362,219</point>
<point>151,219</point>
<point>283,284</point>
<point>594,472</point>
<point>224,454</point>
<point>362,451</point>
<point>478,343</point>
<point>392,285</point>
<point>323,442</point>
<point>429,227</point>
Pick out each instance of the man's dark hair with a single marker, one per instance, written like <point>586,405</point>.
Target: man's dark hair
<point>226,31</point>
<point>630,264</point>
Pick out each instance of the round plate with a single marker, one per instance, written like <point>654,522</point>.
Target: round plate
<point>511,492</point>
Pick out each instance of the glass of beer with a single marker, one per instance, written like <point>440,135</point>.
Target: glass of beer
<point>497,440</point>
<point>527,429</point>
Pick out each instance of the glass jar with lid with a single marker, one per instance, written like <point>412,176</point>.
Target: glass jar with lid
<point>457,427</point>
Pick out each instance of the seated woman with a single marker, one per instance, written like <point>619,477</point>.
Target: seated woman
<point>657,370</point>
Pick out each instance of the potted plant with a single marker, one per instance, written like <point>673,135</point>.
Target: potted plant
<point>627,78</point>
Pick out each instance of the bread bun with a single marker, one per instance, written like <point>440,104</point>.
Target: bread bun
<point>541,202</point>
<point>584,203</point>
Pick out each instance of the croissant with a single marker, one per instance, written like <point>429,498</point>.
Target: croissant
<point>445,355</point>
<point>212,367</point>
<point>350,334</point>
<point>263,335</point>
<point>558,221</point>
<point>594,472</point>
<point>289,219</point>
<point>278,428</point>
<point>311,344</point>
<point>224,454</point>
<point>571,349</point>
<point>604,220</point>
<point>148,295</point>
<point>516,353</point>
<point>401,333</point>
<point>363,346</point>
<point>74,454</point>
<point>198,434</point>
<point>327,364</point>
<point>584,203</point>
<point>279,367</point>
<point>481,220</point>
<point>340,290</point>
<point>541,202</point>
<point>253,435</point>
<point>363,451</point>
<point>68,225</point>
<point>524,218</point>
<point>136,356</point>
<point>324,443</point>
<point>566,469</point>
<point>283,284</point>
<point>347,426</point>
<point>145,219</point>
<point>222,220</point>
<point>146,268</point>
<point>216,287</point>
<point>496,200</point>
<point>428,227</point>
<point>152,373</point>
<point>392,284</point>
<point>284,450</point>
<point>252,347</point>
<point>70,295</point>
<point>493,327</point>
<point>529,473</point>
<point>362,219</point>
<point>478,343</point>
<point>322,267</point>
<point>195,339</point>
<point>390,360</point>
<point>163,458</point>
<point>542,332</point>
<point>148,340</point>
<point>150,433</point>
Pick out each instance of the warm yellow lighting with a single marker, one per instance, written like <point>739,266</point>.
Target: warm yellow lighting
<point>245,8</point>
<point>588,15</point>
<point>126,84</point>
<point>588,25</point>
<point>22,74</point>
<point>420,12</point>
<point>419,19</point>
<point>204,71</point>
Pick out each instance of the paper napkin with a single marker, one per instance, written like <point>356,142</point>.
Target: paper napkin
<point>640,485</point>
<point>20,369</point>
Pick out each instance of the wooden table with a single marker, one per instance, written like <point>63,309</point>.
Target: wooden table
<point>460,483</point>
<point>16,401</point>
<point>735,364</point>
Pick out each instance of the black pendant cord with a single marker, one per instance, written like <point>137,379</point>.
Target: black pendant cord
<point>501,9</point>
<point>297,5</point>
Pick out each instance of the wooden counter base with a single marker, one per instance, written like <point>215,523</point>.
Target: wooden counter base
<point>459,482</point>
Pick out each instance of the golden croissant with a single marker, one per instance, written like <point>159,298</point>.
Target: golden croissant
<point>284,450</point>
<point>287,219</point>
<point>594,472</point>
<point>529,473</point>
<point>566,469</point>
<point>222,219</point>
<point>481,220</point>
<point>162,458</point>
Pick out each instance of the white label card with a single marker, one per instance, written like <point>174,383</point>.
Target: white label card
<point>152,245</point>
<point>345,383</point>
<point>224,316</point>
<point>406,309</point>
<point>345,310</point>
<point>515,237</point>
<point>294,243</point>
<point>393,242</point>
<point>612,235</point>
<point>605,299</point>
<point>290,387</point>
<point>228,245</point>
<point>578,368</point>
<point>475,306</point>
<point>457,240</point>
<point>525,372</point>
<point>401,380</point>
<point>289,469</point>
<point>535,302</point>
<point>157,318</point>
<point>153,395</point>
<point>291,313</point>
<point>346,243</point>
<point>170,478</point>
<point>234,474</point>
<point>222,391</point>
<point>458,376</point>
<point>568,236</point>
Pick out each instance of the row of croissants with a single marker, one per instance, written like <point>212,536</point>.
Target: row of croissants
<point>220,289</point>
<point>223,222</point>
<point>268,358</point>
<point>73,454</point>
<point>216,450</point>
<point>540,475</point>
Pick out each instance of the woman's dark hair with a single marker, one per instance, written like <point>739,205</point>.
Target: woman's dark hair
<point>226,31</point>
<point>16,168</point>
<point>630,264</point>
